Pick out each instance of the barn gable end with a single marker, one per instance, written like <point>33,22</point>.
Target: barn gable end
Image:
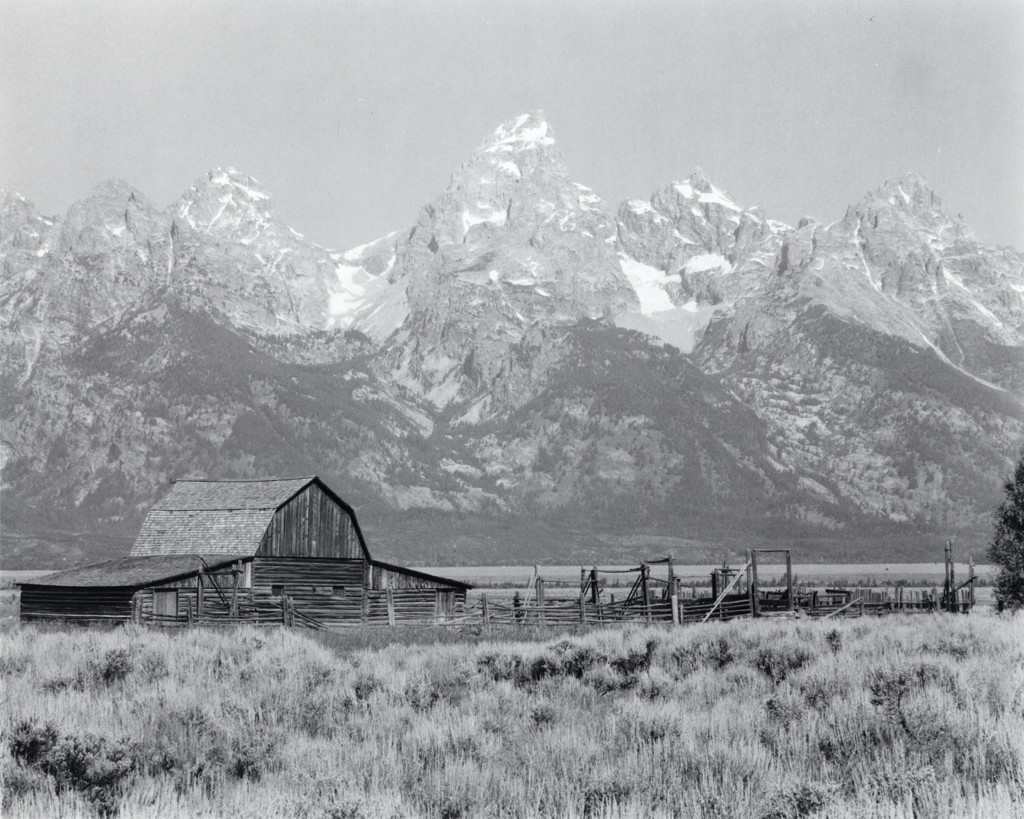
<point>314,522</point>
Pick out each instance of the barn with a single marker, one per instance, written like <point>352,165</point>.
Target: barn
<point>228,551</point>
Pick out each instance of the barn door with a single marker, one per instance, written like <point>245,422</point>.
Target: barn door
<point>165,602</point>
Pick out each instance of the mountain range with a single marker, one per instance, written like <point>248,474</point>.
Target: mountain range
<point>524,374</point>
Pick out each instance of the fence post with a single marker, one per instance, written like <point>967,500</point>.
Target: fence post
<point>755,604</point>
<point>485,611</point>
<point>644,572</point>
<point>789,578</point>
<point>199,591</point>
<point>235,569</point>
<point>971,569</point>
<point>674,602</point>
<point>390,596</point>
<point>952,580</point>
<point>540,600</point>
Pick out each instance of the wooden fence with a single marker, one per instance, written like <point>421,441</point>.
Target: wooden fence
<point>735,594</point>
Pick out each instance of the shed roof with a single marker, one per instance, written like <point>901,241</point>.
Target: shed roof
<point>134,572</point>
<point>226,531</point>
<point>204,495</point>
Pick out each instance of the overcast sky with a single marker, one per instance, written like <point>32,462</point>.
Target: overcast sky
<point>354,114</point>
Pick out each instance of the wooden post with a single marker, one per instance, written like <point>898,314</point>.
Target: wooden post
<point>540,600</point>
<point>755,604</point>
<point>583,610</point>
<point>671,576</point>
<point>390,597</point>
<point>946,587</point>
<point>971,575</point>
<point>789,578</point>
<point>594,593</point>
<point>645,570</point>
<point>674,601</point>
<point>486,612</point>
<point>748,573</point>
<point>952,580</point>
<point>235,570</point>
<point>199,591</point>
<point>935,598</point>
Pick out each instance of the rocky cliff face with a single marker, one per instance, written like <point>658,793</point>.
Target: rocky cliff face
<point>691,252</point>
<point>858,382</point>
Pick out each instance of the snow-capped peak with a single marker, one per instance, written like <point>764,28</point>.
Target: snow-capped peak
<point>225,200</point>
<point>524,132</point>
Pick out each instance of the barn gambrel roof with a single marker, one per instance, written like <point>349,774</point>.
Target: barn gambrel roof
<point>219,516</point>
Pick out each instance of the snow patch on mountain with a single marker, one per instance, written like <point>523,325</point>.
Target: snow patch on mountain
<point>704,262</point>
<point>650,285</point>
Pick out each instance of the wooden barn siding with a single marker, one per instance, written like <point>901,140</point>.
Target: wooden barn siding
<point>92,604</point>
<point>295,573</point>
<point>302,577</point>
<point>311,525</point>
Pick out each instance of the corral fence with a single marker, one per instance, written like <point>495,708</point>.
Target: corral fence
<point>662,597</point>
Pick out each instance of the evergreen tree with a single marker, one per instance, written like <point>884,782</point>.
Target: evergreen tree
<point>1007,548</point>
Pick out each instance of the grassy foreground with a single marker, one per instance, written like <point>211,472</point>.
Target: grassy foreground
<point>902,716</point>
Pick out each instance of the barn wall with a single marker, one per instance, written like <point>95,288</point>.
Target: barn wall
<point>330,591</point>
<point>75,604</point>
<point>311,524</point>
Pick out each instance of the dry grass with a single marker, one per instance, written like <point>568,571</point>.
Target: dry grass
<point>901,716</point>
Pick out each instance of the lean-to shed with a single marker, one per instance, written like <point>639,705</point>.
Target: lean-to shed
<point>287,549</point>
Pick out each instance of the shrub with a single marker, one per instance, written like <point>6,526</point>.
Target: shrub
<point>115,666</point>
<point>365,686</point>
<point>778,661</point>
<point>500,666</point>
<point>90,764</point>
<point>543,714</point>
<point>636,662</point>
<point>804,800</point>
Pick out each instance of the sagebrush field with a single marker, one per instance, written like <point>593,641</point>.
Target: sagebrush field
<point>901,716</point>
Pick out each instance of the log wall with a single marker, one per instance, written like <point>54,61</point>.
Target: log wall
<point>75,604</point>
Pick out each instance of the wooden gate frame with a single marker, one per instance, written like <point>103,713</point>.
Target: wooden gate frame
<point>752,579</point>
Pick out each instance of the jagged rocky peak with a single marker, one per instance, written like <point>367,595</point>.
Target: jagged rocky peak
<point>904,207</point>
<point>225,201</point>
<point>21,226</point>
<point>521,143</point>
<point>516,179</point>
<point>114,213</point>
